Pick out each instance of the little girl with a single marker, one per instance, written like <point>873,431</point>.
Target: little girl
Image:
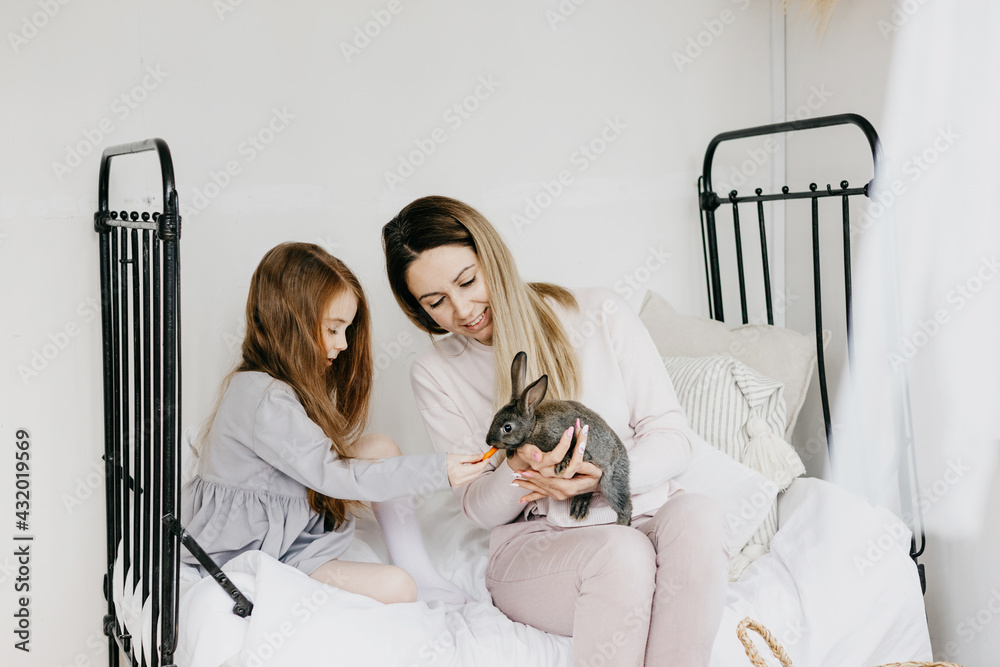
<point>283,462</point>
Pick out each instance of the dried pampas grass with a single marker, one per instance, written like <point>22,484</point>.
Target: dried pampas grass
<point>816,13</point>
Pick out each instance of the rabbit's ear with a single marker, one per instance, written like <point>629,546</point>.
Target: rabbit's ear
<point>518,375</point>
<point>533,395</point>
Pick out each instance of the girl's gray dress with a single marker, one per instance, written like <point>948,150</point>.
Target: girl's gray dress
<point>261,455</point>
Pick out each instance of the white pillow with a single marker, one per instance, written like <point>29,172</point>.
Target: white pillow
<point>744,495</point>
<point>741,413</point>
<point>787,356</point>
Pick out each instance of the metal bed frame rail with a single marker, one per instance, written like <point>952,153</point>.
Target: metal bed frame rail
<point>709,202</point>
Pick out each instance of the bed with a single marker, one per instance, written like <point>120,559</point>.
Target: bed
<point>833,577</point>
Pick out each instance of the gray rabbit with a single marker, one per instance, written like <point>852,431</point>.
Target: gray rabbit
<point>527,419</point>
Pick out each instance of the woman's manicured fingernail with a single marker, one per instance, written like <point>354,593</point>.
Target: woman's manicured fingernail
<point>515,484</point>
<point>526,474</point>
<point>517,475</point>
<point>586,429</point>
<point>536,456</point>
<point>522,501</point>
<point>578,423</point>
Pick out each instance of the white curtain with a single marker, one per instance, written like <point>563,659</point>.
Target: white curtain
<point>927,272</point>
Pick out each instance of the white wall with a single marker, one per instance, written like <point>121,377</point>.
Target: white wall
<point>223,76</point>
<point>220,79</point>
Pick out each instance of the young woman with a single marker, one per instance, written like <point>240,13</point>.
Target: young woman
<point>650,593</point>
<point>283,463</point>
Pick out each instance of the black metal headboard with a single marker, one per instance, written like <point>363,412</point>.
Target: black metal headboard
<point>709,201</point>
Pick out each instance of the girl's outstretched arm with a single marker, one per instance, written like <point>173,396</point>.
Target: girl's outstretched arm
<point>285,437</point>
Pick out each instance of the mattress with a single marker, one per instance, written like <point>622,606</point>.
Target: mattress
<point>837,588</point>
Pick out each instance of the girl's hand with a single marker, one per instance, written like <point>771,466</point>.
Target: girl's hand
<point>463,468</point>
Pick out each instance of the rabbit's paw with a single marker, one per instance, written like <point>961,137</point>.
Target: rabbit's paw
<point>580,506</point>
<point>560,467</point>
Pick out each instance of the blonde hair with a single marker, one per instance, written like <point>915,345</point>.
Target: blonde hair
<point>522,317</point>
<point>290,291</point>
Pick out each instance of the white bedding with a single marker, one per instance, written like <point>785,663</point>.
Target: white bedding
<point>838,588</point>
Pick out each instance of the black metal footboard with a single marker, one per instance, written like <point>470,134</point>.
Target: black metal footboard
<point>140,298</point>
<point>140,307</point>
<point>710,202</point>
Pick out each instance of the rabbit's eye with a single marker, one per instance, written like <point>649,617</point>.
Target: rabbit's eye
<point>507,428</point>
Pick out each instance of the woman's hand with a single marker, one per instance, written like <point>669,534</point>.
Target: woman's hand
<point>539,475</point>
<point>463,468</point>
<point>585,481</point>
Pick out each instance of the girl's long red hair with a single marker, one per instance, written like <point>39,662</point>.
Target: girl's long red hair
<point>289,294</point>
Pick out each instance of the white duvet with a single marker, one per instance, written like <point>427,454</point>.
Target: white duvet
<point>838,588</point>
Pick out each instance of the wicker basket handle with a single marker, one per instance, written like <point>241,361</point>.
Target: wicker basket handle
<point>777,649</point>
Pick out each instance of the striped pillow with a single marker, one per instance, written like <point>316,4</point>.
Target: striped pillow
<point>729,405</point>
